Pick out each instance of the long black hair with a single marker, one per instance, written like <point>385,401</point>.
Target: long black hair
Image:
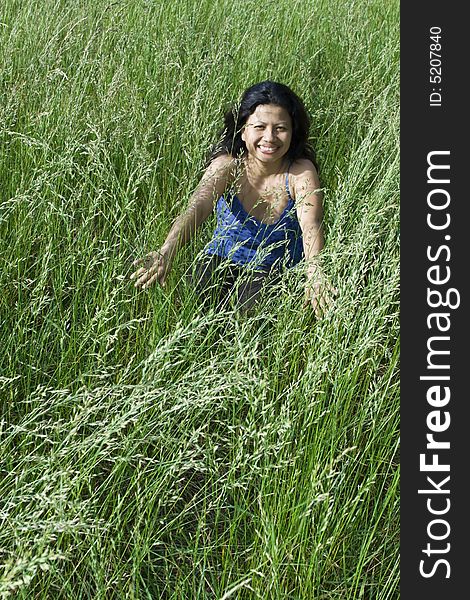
<point>266,92</point>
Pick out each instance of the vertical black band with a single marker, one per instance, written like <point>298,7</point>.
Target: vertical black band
<point>435,434</point>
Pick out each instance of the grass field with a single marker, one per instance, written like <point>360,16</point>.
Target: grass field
<point>150,449</point>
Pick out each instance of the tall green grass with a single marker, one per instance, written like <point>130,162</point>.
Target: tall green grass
<point>149,448</point>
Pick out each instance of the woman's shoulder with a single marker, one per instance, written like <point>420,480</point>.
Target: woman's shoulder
<point>304,178</point>
<point>220,172</point>
<point>224,166</point>
<point>302,167</point>
<point>222,159</point>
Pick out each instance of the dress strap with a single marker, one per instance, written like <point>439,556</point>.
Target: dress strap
<point>287,185</point>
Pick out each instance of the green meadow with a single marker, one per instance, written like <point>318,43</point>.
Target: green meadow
<point>149,448</point>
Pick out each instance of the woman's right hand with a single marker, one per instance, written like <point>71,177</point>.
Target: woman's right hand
<point>155,266</point>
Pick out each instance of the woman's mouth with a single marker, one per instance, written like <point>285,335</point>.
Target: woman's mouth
<point>267,149</point>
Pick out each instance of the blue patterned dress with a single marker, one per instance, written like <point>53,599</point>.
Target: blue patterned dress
<point>246,241</point>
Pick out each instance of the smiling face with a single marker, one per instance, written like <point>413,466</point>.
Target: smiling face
<point>268,133</point>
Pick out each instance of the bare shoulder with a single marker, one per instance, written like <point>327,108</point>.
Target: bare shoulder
<point>219,175</point>
<point>304,177</point>
<point>303,167</point>
<point>222,167</point>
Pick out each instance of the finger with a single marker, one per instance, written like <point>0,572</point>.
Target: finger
<point>141,281</point>
<point>321,303</point>
<point>163,272</point>
<point>144,278</point>
<point>150,281</point>
<point>137,262</point>
<point>323,306</point>
<point>318,310</point>
<point>314,300</point>
<point>328,305</point>
<point>137,273</point>
<point>316,304</point>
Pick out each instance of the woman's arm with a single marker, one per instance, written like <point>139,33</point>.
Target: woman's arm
<point>156,265</point>
<point>309,202</point>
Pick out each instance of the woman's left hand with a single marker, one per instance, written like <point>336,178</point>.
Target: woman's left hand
<point>153,267</point>
<point>319,293</point>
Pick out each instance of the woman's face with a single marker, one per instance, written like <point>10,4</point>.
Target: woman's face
<point>268,132</point>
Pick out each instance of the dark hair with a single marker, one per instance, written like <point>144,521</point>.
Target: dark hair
<point>265,92</point>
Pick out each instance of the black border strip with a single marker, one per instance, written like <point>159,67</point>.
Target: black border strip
<point>434,253</point>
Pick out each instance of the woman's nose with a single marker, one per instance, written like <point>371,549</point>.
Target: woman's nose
<point>269,134</point>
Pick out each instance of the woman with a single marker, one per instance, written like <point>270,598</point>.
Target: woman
<point>263,178</point>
